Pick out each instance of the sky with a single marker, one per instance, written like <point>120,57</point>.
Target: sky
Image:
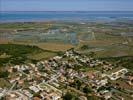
<point>66,5</point>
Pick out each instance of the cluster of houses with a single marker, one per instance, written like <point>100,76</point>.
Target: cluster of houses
<point>50,79</point>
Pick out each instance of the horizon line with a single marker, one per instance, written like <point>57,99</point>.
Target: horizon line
<point>68,11</point>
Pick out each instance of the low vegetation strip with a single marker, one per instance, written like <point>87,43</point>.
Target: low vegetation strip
<point>20,53</point>
<point>13,49</point>
<point>125,61</point>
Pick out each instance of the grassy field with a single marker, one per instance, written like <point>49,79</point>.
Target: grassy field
<point>25,25</point>
<point>55,46</point>
<point>46,46</point>
<point>107,45</point>
<point>43,55</point>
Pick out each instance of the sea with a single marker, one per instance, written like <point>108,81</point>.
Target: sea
<point>39,16</point>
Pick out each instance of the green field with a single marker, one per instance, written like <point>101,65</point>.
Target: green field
<point>22,53</point>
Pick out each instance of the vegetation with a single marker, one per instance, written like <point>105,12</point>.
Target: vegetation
<point>18,50</point>
<point>84,47</point>
<point>4,83</point>
<point>77,84</point>
<point>96,40</point>
<point>21,53</point>
<point>4,74</point>
<point>87,90</point>
<point>94,98</point>
<point>125,61</point>
<point>25,25</point>
<point>70,96</point>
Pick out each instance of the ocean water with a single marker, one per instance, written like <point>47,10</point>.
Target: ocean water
<point>30,16</point>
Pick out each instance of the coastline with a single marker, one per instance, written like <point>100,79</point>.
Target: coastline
<point>46,16</point>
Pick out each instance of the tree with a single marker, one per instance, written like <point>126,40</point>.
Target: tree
<point>78,84</point>
<point>87,90</point>
<point>101,88</point>
<point>92,54</point>
<point>70,96</point>
<point>84,47</point>
<point>4,74</point>
<point>67,96</point>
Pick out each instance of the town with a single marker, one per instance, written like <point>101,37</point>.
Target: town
<point>66,49</point>
<point>70,76</point>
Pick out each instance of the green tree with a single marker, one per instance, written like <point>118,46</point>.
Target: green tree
<point>70,96</point>
<point>87,90</point>
<point>84,47</point>
<point>4,74</point>
<point>92,54</point>
<point>78,84</point>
